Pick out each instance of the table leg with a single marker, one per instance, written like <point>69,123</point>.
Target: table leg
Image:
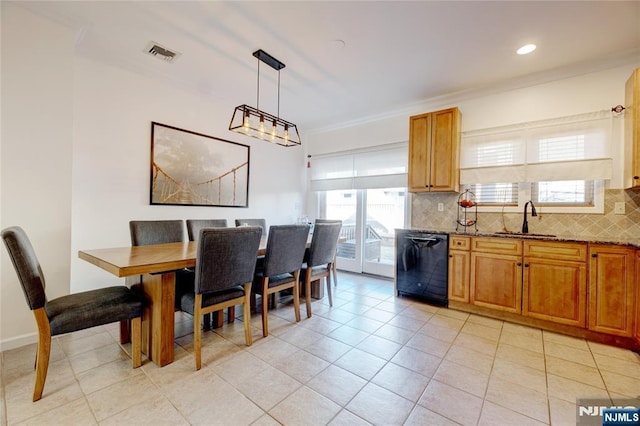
<point>158,317</point>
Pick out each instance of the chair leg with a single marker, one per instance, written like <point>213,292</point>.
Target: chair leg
<point>44,350</point>
<point>136,342</point>
<point>296,296</point>
<point>197,342</point>
<point>206,321</point>
<point>328,278</point>
<point>307,291</point>
<point>218,318</point>
<point>335,272</point>
<point>265,307</point>
<point>246,309</point>
<point>231,314</point>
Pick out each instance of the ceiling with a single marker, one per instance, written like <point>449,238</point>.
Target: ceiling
<point>347,61</point>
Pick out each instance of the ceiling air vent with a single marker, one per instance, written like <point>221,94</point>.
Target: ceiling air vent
<point>161,52</point>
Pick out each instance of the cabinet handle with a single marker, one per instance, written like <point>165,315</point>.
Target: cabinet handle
<point>594,255</point>
<point>519,264</point>
<point>450,255</point>
<point>459,243</point>
<point>526,265</point>
<point>636,177</point>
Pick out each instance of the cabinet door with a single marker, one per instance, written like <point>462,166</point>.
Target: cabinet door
<point>496,281</point>
<point>459,275</point>
<point>419,140</point>
<point>445,140</point>
<point>611,289</point>
<point>637,326</point>
<point>555,290</point>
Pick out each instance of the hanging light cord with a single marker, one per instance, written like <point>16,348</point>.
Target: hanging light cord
<point>258,85</point>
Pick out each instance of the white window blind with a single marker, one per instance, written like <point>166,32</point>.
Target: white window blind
<point>567,148</point>
<point>379,167</point>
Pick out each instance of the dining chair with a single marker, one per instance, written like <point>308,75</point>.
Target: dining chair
<point>334,267</point>
<point>195,225</point>
<point>193,231</point>
<point>262,223</point>
<point>225,265</point>
<point>322,254</point>
<point>68,313</point>
<point>280,269</point>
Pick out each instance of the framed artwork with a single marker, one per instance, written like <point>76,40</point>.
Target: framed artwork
<point>192,169</point>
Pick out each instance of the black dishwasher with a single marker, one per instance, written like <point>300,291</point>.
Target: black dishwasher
<point>422,265</point>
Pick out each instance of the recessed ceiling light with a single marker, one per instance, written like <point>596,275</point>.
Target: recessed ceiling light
<point>527,48</point>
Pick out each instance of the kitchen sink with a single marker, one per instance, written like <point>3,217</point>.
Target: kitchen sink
<point>529,235</point>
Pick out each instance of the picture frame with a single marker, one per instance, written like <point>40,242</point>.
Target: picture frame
<point>194,169</point>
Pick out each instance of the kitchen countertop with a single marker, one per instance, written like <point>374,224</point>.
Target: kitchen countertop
<point>631,242</point>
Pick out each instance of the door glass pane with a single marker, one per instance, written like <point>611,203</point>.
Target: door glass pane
<point>385,213</point>
<point>342,205</point>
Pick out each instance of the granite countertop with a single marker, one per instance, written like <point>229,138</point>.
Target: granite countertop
<point>631,242</point>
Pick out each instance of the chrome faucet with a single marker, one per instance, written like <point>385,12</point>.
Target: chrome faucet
<point>525,224</point>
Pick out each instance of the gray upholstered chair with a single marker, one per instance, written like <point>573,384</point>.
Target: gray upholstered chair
<point>334,267</point>
<point>195,225</point>
<point>322,254</point>
<point>280,269</point>
<point>262,223</point>
<point>225,265</point>
<point>67,313</point>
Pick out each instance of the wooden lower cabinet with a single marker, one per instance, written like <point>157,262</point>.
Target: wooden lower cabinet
<point>496,281</point>
<point>555,290</point>
<point>637,332</point>
<point>459,265</point>
<point>611,289</point>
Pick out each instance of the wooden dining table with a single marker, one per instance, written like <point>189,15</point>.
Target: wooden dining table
<point>153,267</point>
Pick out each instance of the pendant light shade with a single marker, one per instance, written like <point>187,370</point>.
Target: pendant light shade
<point>258,124</point>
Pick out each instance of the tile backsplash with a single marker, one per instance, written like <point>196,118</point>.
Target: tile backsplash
<point>425,215</point>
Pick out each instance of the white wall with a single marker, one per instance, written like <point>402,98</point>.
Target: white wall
<point>75,161</point>
<point>37,99</point>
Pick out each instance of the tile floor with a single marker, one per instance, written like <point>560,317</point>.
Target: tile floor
<point>370,359</point>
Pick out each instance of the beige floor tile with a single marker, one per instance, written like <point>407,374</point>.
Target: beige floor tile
<point>521,356</point>
<point>134,391</point>
<point>447,322</point>
<point>408,323</point>
<point>347,418</point>
<point>349,335</point>
<point>361,363</point>
<point>452,313</point>
<point>402,381</point>
<point>421,416</point>
<point>519,399</point>
<point>614,352</point>
<point>417,361</point>
<point>488,333</point>
<point>320,325</point>
<point>155,411</point>
<point>561,412</point>
<point>495,415</point>
<point>380,406</point>
<point>365,324</point>
<point>521,329</point>
<point>395,334</point>
<point>523,341</point>
<point>417,313</point>
<point>74,346</point>
<point>337,384</point>
<point>487,322</point>
<point>106,375</point>
<point>452,403</point>
<point>463,378</point>
<point>268,387</point>
<point>476,343</point>
<point>380,347</point>
<point>305,406</point>
<point>470,358</point>
<point>428,344</point>
<point>574,371</point>
<point>328,349</point>
<point>339,315</point>
<point>617,365</point>
<point>77,412</point>
<point>301,365</point>
<point>272,349</point>
<point>266,420</point>
<point>562,339</point>
<point>568,390</point>
<point>441,333</point>
<point>520,374</point>
<point>378,314</point>
<point>624,385</point>
<point>300,336</point>
<point>569,353</point>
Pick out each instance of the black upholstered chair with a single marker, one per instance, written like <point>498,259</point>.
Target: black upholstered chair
<point>262,223</point>
<point>67,313</point>
<point>280,269</point>
<point>322,254</point>
<point>225,265</point>
<point>334,268</point>
<point>195,225</point>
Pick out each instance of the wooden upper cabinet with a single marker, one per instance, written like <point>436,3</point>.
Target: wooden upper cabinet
<point>632,125</point>
<point>611,289</point>
<point>434,144</point>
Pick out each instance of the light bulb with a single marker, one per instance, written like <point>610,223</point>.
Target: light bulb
<point>246,123</point>
<point>285,135</point>
<point>274,130</point>
<point>261,125</point>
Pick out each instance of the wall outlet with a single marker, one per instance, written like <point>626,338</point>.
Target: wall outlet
<point>440,207</point>
<point>619,208</point>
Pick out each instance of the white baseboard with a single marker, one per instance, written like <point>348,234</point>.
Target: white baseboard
<point>19,341</point>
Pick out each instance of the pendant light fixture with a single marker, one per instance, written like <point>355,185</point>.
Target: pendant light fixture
<point>256,123</point>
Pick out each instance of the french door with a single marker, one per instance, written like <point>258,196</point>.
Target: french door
<point>369,219</point>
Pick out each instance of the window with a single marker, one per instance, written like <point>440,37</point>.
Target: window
<point>560,163</point>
